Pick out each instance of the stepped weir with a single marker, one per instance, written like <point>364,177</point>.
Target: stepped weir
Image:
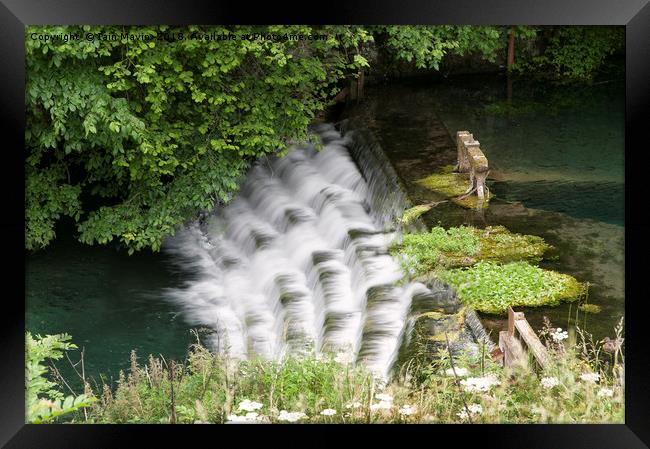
<point>298,261</point>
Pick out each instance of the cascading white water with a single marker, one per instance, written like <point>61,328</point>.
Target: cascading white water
<point>299,260</point>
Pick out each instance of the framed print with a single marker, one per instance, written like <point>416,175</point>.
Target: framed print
<point>382,218</point>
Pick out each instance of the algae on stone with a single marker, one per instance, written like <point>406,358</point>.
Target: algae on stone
<point>492,288</point>
<point>413,213</point>
<point>454,186</point>
<point>424,252</point>
<point>589,308</point>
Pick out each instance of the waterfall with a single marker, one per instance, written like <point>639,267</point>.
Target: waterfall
<point>299,261</point>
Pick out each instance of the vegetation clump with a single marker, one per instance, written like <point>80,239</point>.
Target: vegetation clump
<point>589,308</point>
<point>44,400</point>
<point>577,387</point>
<point>464,246</point>
<point>414,213</point>
<point>453,186</point>
<point>492,288</point>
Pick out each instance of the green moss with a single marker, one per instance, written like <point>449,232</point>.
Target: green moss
<point>453,185</point>
<point>464,246</point>
<point>589,308</point>
<point>492,288</point>
<point>413,213</point>
<point>499,244</point>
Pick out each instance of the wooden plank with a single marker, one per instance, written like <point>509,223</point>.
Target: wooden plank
<point>532,342</point>
<point>511,321</point>
<point>513,352</point>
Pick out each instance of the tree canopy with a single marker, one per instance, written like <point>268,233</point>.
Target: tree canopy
<point>133,135</point>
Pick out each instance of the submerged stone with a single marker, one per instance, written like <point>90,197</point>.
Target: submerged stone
<point>454,186</point>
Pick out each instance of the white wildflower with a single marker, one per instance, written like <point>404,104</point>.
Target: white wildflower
<point>356,404</point>
<point>558,335</point>
<point>236,418</point>
<point>384,397</point>
<point>290,416</point>
<point>479,384</point>
<point>383,405</point>
<point>250,406</point>
<point>549,382</point>
<point>605,393</point>
<point>344,358</point>
<point>407,410</point>
<point>474,409</point>
<point>460,372</point>
<point>249,417</point>
<point>590,377</point>
<point>328,412</point>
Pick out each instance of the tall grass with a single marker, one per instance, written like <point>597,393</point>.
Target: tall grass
<point>209,388</point>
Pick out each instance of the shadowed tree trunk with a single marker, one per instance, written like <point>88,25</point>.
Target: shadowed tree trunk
<point>511,60</point>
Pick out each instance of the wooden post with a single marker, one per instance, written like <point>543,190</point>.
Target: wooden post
<point>463,161</point>
<point>511,48</point>
<point>354,89</point>
<point>510,345</point>
<point>360,81</point>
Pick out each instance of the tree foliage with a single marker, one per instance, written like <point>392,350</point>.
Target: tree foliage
<point>45,402</point>
<point>131,136</point>
<point>426,46</point>
<point>570,53</point>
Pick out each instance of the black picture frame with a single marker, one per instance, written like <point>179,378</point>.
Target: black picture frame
<point>634,14</point>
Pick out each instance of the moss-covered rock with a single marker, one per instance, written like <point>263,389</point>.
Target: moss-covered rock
<point>492,288</point>
<point>453,186</point>
<point>421,253</point>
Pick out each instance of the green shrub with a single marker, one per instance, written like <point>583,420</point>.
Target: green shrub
<point>44,401</point>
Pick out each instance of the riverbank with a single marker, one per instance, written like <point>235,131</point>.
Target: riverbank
<point>208,388</point>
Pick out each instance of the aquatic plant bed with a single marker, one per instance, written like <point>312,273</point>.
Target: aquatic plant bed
<point>424,252</point>
<point>492,288</point>
<point>454,187</point>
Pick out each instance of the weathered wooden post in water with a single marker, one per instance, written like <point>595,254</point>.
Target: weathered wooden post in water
<point>513,348</point>
<point>471,159</point>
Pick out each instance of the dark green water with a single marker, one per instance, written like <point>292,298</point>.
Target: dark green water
<point>557,168</point>
<point>557,148</point>
<point>109,302</point>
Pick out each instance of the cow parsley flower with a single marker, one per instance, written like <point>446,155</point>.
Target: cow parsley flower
<point>383,405</point>
<point>479,384</point>
<point>250,406</point>
<point>474,409</point>
<point>460,372</point>
<point>384,397</point>
<point>290,416</point>
<point>249,417</point>
<point>328,412</point>
<point>549,382</point>
<point>236,418</point>
<point>407,410</point>
<point>590,377</point>
<point>558,335</point>
<point>355,404</point>
<point>605,393</point>
<point>344,358</point>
